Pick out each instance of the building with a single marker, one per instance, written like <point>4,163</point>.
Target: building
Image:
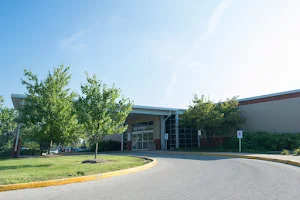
<point>147,125</point>
<point>275,113</point>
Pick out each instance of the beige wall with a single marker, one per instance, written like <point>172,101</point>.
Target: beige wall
<point>281,116</point>
<point>136,119</point>
<point>145,118</point>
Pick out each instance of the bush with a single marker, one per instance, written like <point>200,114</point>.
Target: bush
<point>297,152</point>
<point>263,141</point>
<point>107,145</point>
<point>5,153</point>
<point>31,152</point>
<point>285,152</point>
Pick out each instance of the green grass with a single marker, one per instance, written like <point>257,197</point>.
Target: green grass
<point>23,170</point>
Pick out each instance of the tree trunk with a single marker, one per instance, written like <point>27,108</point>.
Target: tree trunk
<point>220,141</point>
<point>96,150</point>
<point>50,147</point>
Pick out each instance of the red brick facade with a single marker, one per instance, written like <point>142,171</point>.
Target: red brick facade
<point>158,144</point>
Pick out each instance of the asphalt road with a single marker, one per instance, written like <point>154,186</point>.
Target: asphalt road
<point>184,177</point>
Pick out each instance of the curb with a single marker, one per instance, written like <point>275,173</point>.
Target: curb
<point>289,162</point>
<point>80,178</point>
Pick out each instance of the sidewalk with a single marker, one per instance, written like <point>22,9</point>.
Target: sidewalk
<point>287,159</point>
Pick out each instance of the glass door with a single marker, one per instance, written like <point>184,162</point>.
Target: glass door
<point>137,141</point>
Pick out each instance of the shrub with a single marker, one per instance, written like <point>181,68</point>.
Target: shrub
<point>285,152</point>
<point>107,145</point>
<point>5,152</point>
<point>297,152</point>
<point>30,152</point>
<point>263,141</point>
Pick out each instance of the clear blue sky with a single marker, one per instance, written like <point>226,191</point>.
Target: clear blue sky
<point>159,52</point>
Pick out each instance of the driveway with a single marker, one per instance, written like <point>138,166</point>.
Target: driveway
<point>183,177</point>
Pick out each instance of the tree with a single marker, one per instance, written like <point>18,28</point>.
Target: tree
<point>7,125</point>
<point>203,115</point>
<point>102,110</point>
<point>213,118</point>
<point>232,117</point>
<point>49,110</point>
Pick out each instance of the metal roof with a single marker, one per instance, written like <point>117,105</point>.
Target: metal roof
<point>269,95</point>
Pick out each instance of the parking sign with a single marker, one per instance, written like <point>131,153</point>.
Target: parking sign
<point>240,134</point>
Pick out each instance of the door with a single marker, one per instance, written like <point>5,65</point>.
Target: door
<point>137,141</point>
<point>141,140</point>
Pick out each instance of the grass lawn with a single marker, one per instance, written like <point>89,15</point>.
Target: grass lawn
<point>23,170</point>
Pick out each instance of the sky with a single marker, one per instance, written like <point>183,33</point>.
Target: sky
<point>159,52</point>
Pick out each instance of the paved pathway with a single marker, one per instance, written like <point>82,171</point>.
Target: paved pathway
<point>184,177</point>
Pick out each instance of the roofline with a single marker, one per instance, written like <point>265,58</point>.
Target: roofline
<point>270,95</point>
<point>156,108</point>
<point>23,96</point>
<point>20,96</point>
<point>244,101</point>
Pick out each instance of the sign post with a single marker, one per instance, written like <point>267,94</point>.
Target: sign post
<point>240,136</point>
<point>122,142</point>
<point>166,139</point>
<point>199,138</point>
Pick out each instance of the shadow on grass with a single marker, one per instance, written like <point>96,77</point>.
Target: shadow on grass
<point>23,166</point>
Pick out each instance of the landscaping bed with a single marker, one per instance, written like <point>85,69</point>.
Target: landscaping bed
<point>24,170</point>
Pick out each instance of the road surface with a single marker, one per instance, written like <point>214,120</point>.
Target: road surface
<point>183,177</point>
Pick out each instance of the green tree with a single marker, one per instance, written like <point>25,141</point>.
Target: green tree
<point>49,110</point>
<point>102,110</point>
<point>7,125</point>
<point>202,114</point>
<point>232,117</point>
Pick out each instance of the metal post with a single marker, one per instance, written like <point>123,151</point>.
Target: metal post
<point>164,129</point>
<point>177,130</point>
<point>166,146</point>
<point>240,145</point>
<point>122,142</point>
<point>17,140</point>
<point>199,140</point>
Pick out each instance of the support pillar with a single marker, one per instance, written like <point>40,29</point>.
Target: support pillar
<point>177,130</point>
<point>162,132</point>
<point>17,144</point>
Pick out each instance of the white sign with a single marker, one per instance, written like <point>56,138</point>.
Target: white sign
<point>199,132</point>
<point>166,136</point>
<point>240,134</point>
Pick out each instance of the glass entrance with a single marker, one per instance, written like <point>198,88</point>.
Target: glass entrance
<point>141,139</point>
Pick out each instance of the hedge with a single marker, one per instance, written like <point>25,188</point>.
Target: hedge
<point>263,141</point>
<point>107,145</point>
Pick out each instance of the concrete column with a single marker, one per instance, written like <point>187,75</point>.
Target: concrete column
<point>177,130</point>
<point>162,132</point>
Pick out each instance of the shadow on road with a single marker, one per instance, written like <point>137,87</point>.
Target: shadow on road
<point>173,156</point>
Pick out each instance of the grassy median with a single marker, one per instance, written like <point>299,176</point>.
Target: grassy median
<point>24,170</point>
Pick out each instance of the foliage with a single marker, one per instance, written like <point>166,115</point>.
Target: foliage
<point>31,152</point>
<point>263,141</point>
<point>285,152</point>
<point>102,110</point>
<point>109,145</point>
<point>49,114</point>
<point>297,152</point>
<point>7,126</point>
<point>231,117</point>
<point>213,118</point>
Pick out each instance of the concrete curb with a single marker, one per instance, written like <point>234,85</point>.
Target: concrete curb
<point>79,179</point>
<point>289,162</point>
